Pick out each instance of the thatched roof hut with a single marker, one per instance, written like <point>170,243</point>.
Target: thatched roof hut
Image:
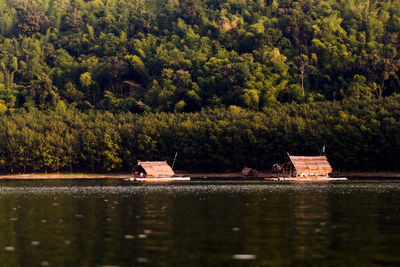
<point>153,169</point>
<point>310,166</point>
<point>249,172</point>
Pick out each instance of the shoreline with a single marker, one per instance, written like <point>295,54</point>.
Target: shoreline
<point>62,176</point>
<point>194,176</point>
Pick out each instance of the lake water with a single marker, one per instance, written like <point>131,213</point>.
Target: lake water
<point>118,223</point>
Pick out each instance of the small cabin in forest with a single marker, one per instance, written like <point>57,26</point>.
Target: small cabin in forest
<point>153,169</point>
<point>305,166</point>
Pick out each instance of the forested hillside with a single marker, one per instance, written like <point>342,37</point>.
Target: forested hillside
<point>183,55</point>
<point>84,84</point>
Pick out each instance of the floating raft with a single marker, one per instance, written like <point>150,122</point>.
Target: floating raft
<point>307,179</point>
<point>164,179</point>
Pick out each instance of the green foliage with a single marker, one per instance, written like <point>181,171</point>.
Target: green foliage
<point>3,108</point>
<point>251,54</point>
<point>358,88</point>
<point>234,72</point>
<point>42,92</point>
<point>86,80</point>
<point>359,134</point>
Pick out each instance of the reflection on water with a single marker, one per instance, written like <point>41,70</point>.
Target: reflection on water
<point>116,223</point>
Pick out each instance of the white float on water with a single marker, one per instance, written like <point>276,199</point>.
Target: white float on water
<point>164,179</point>
<point>244,257</point>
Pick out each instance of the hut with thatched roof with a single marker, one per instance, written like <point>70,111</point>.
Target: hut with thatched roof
<point>305,166</point>
<point>153,169</point>
<point>249,172</point>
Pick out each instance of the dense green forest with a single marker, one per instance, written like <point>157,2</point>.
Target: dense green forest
<point>227,83</point>
<point>358,134</point>
<point>184,55</point>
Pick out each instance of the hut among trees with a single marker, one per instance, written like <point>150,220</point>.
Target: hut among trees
<point>153,169</point>
<point>304,166</point>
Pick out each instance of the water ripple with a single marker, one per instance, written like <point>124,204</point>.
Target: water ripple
<point>201,187</point>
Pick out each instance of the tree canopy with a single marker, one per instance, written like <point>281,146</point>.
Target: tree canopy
<point>101,83</point>
<point>186,55</point>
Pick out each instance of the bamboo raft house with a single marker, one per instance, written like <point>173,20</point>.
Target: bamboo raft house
<point>303,168</point>
<point>154,171</point>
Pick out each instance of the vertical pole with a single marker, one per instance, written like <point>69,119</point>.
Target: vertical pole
<point>173,163</point>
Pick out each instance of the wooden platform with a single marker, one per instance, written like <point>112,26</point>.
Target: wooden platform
<point>166,179</point>
<point>306,179</point>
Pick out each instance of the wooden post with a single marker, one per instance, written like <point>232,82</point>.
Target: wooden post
<point>173,163</point>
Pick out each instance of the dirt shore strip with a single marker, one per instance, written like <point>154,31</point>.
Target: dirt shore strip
<point>194,176</point>
<point>34,176</point>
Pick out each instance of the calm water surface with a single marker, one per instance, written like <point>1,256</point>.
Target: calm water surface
<point>117,223</point>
